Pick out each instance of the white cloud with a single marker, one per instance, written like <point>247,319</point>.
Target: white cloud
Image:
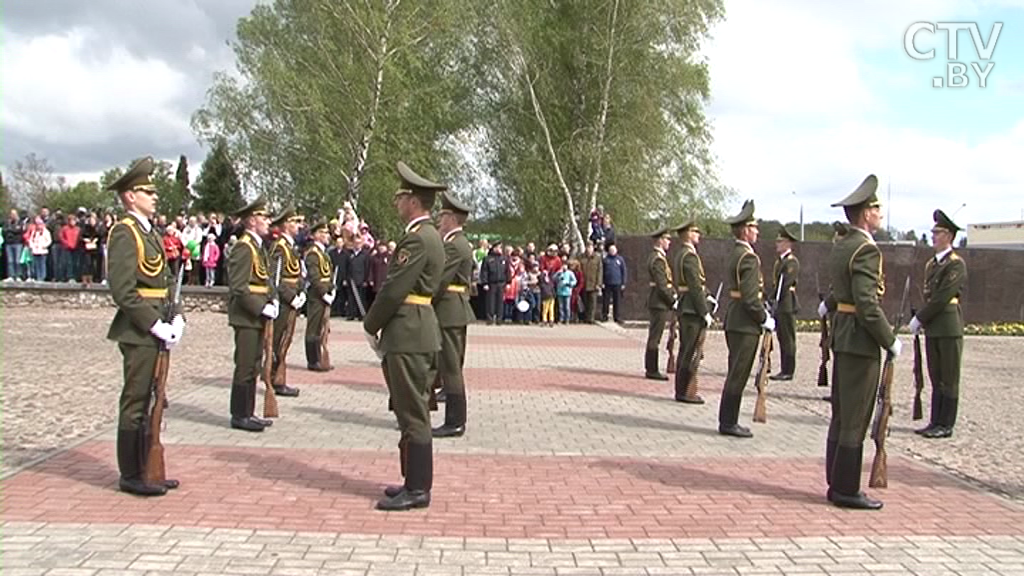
<point>57,91</point>
<point>794,109</point>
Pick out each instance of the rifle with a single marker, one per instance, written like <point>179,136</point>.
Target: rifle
<point>156,473</point>
<point>764,361</point>
<point>918,374</point>
<point>823,343</point>
<point>269,397</point>
<point>671,345</point>
<point>698,351</point>
<point>883,408</point>
<point>325,334</point>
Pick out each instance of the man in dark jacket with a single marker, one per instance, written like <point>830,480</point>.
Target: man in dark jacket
<point>355,276</point>
<point>14,232</point>
<point>339,256</point>
<point>593,280</point>
<point>614,281</point>
<point>377,270</point>
<point>493,277</point>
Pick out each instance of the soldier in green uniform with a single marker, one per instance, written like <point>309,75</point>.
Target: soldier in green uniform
<point>285,254</point>
<point>139,278</point>
<point>321,295</point>
<point>746,319</point>
<point>859,332</point>
<point>251,304</point>
<point>661,300</point>
<point>785,272</point>
<point>692,314</point>
<point>839,230</point>
<point>409,338</point>
<point>453,311</point>
<point>943,324</point>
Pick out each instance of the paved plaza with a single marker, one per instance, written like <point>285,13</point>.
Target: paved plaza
<point>572,464</point>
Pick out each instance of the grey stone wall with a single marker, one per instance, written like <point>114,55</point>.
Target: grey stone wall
<point>57,295</point>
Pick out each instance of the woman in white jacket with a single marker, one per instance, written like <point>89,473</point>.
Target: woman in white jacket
<point>39,241</point>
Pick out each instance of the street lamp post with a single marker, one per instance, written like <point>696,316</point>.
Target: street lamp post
<point>801,218</point>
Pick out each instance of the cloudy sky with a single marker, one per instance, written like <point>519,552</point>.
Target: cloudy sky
<point>809,97</point>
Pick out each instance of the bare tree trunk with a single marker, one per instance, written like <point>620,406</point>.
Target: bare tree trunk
<point>574,229</point>
<point>605,97</point>
<point>363,148</point>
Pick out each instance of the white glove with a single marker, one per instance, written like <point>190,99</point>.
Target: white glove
<point>178,326</point>
<point>675,304</point>
<point>915,325</point>
<point>329,298</point>
<point>165,332</point>
<point>299,300</point>
<point>708,320</point>
<point>822,309</point>
<point>896,347</point>
<point>270,310</point>
<point>769,324</point>
<point>712,302</point>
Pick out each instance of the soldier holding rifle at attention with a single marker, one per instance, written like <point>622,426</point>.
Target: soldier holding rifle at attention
<point>139,279</point>
<point>402,327</point>
<point>860,332</point>
<point>746,319</point>
<point>786,271</point>
<point>285,254</point>
<point>454,313</point>
<point>251,303</point>
<point>692,314</point>
<point>943,325</point>
<point>661,300</point>
<point>321,296</point>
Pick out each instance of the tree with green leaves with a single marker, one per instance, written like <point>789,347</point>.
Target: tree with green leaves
<point>218,188</point>
<point>332,94</point>
<point>181,183</point>
<point>589,103</point>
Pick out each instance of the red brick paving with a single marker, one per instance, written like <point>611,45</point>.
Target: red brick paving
<point>501,496</point>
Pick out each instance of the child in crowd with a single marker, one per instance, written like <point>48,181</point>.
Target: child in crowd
<point>565,280</point>
<point>211,256</point>
<point>547,298</point>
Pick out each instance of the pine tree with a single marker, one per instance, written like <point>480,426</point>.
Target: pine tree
<point>218,188</point>
<point>181,183</point>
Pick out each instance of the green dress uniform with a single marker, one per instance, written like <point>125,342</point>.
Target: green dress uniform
<point>318,310</point>
<point>787,272</point>
<point>943,324</point>
<point>249,291</point>
<point>688,272</point>
<point>454,313</point>
<point>409,340</point>
<point>139,279</point>
<point>284,253</point>
<point>743,325</point>
<point>859,332</point>
<point>660,301</point>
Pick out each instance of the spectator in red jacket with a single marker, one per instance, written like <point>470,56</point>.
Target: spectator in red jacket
<point>67,266</point>
<point>550,262</point>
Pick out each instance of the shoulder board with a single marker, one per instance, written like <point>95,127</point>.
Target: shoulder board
<point>953,256</point>
<point>245,238</point>
<point>415,229</point>
<point>128,220</point>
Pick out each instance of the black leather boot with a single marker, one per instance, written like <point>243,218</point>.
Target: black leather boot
<point>830,461</point>
<point>651,371</point>
<point>785,370</point>
<point>313,356</point>
<point>286,391</point>
<point>728,417</point>
<point>418,481</point>
<point>947,417</point>
<point>846,480</point>
<point>454,418</point>
<point>129,461</point>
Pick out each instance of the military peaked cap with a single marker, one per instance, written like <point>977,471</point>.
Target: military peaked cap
<point>449,203</point>
<point>136,178</point>
<point>864,195</point>
<point>285,214</point>
<point>413,183</point>
<point>688,224</point>
<point>257,207</point>
<point>660,232</point>
<point>746,215</point>
<point>943,221</point>
<point>784,233</point>
<point>318,226</point>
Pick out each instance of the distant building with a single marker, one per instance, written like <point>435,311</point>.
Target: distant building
<point>1002,235</point>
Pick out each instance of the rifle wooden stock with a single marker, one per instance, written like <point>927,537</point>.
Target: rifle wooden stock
<point>155,473</point>
<point>672,330</point>
<point>280,374</point>
<point>698,354</point>
<point>880,430</point>
<point>825,355</point>
<point>764,366</point>
<point>325,335</point>
<point>270,409</point>
<point>918,379</point>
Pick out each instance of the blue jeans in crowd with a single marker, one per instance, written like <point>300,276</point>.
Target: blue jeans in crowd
<point>563,309</point>
<point>39,266</point>
<point>13,252</point>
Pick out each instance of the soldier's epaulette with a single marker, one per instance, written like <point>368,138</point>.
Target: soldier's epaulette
<point>415,229</point>
<point>953,256</point>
